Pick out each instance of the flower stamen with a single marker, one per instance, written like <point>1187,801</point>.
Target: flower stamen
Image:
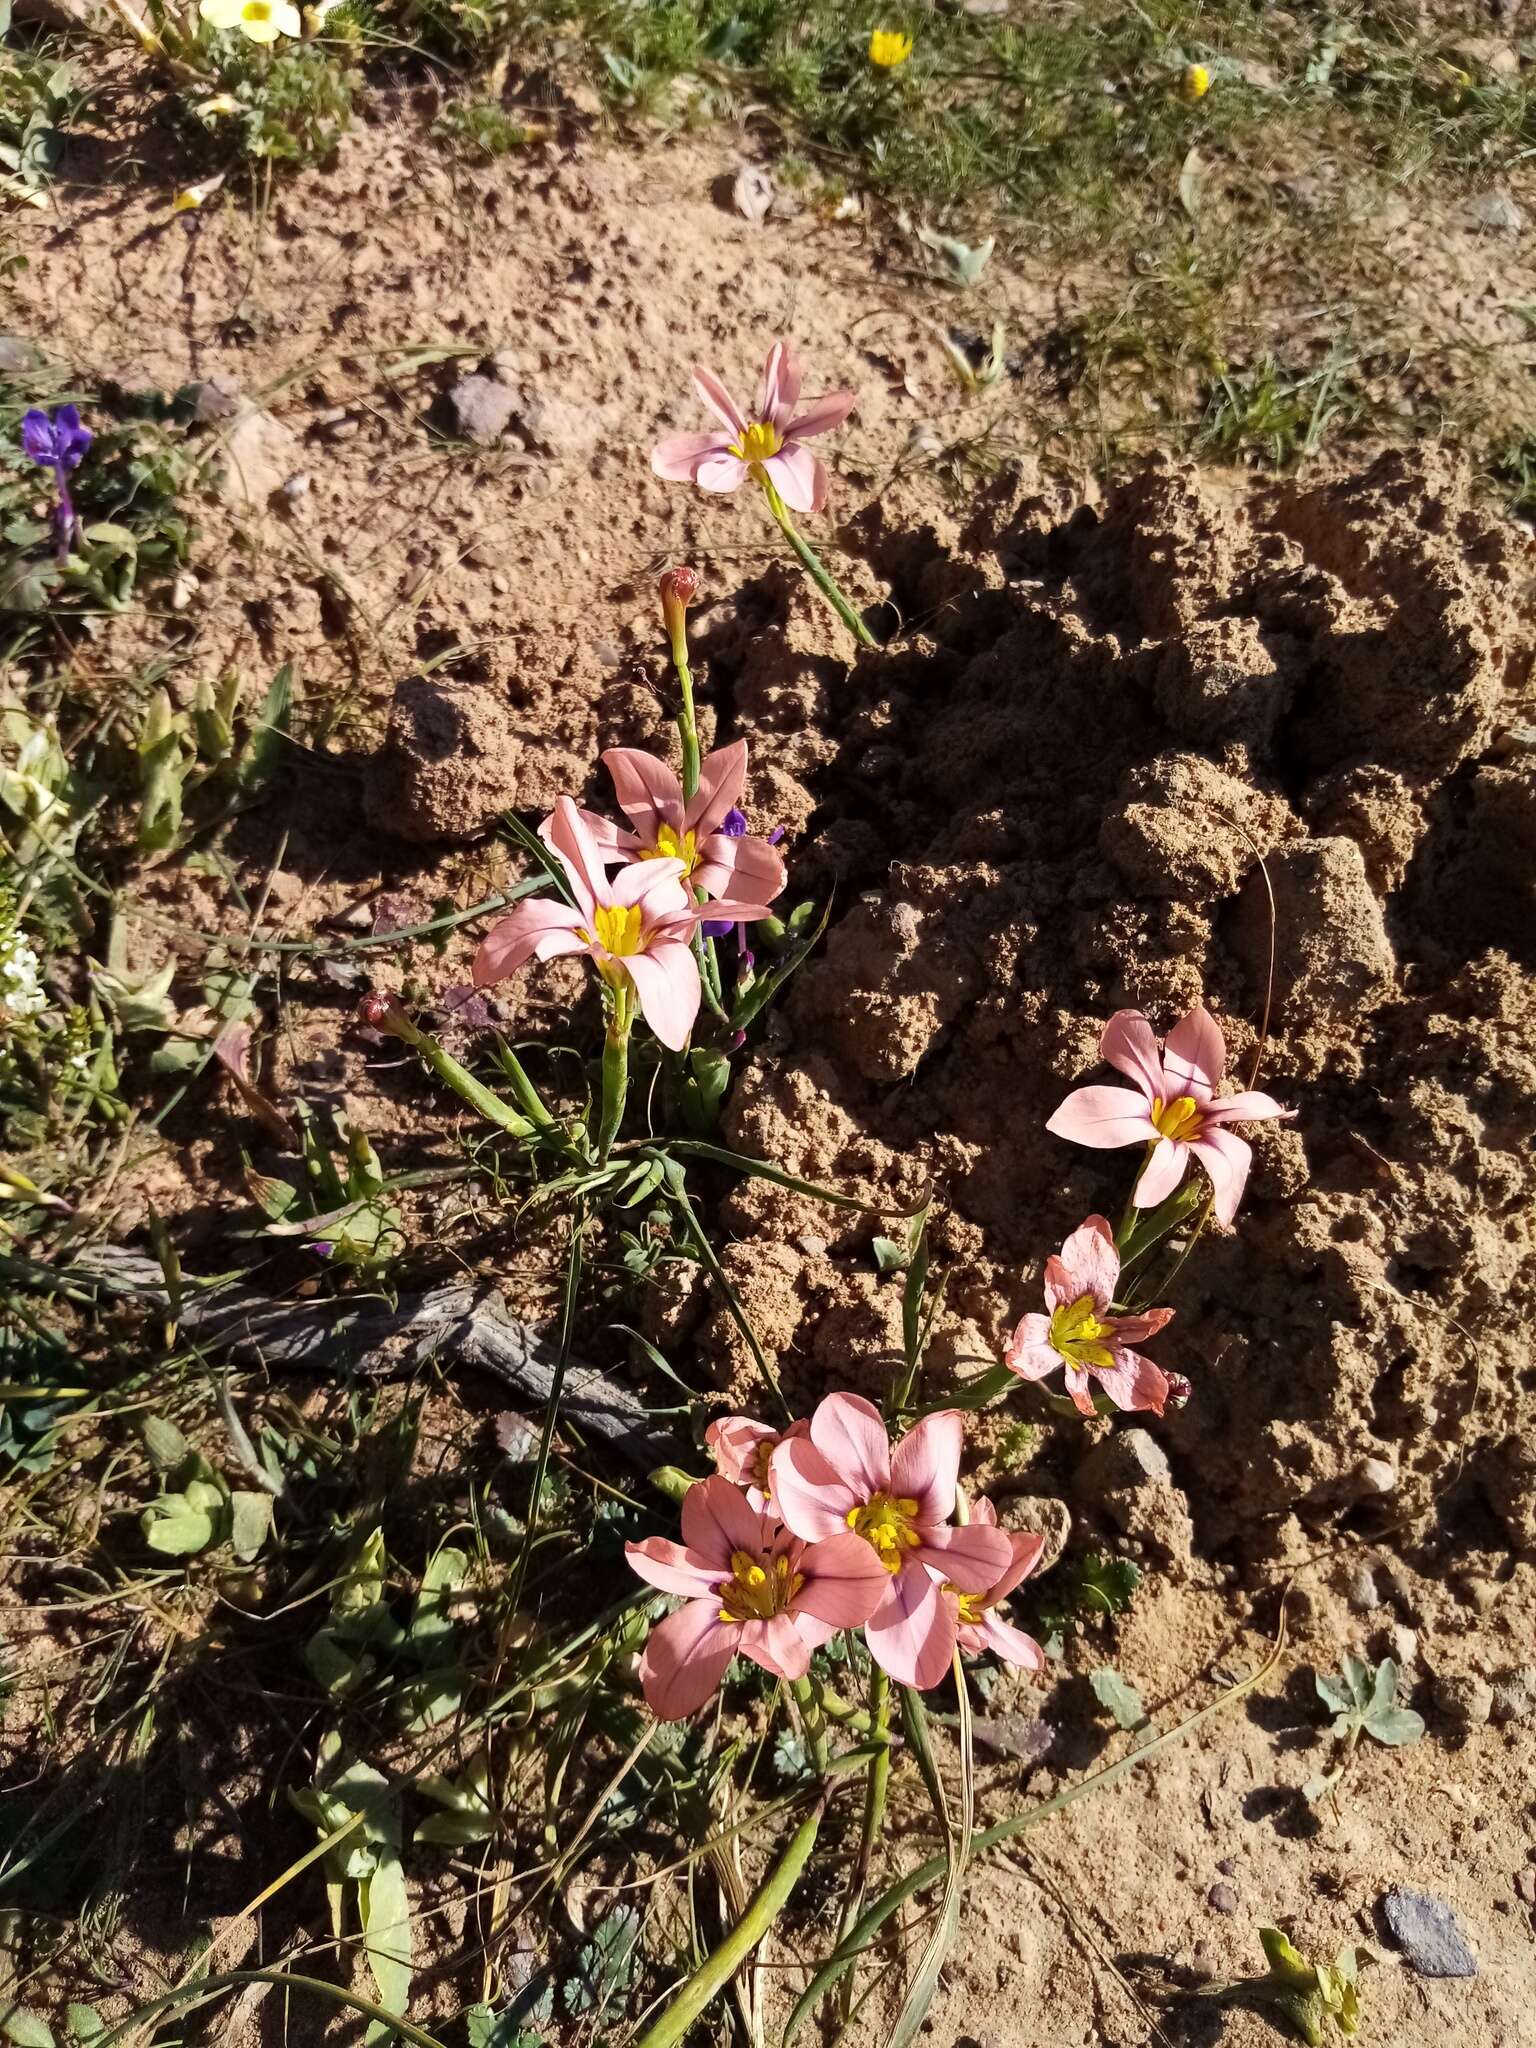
<point>1176,1118</point>
<point>889,1523</point>
<point>756,1591</point>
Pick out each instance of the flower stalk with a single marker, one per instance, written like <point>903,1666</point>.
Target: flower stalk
<point>679,587</point>
<point>815,568</point>
<point>386,1013</point>
<point>877,1779</point>
<point>621,1016</point>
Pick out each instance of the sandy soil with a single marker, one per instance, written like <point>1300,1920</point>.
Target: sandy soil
<point>1048,797</point>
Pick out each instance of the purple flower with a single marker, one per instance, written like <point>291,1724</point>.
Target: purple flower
<point>59,443</point>
<point>734,825</point>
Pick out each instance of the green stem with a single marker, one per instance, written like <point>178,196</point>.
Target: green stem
<point>816,569</point>
<point>717,1970</point>
<point>815,1723</point>
<point>876,1781</point>
<point>687,727</point>
<point>615,1073</point>
<point>528,1096</point>
<point>463,1083</point>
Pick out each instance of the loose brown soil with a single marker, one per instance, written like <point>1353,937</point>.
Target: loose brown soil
<point>1101,734</point>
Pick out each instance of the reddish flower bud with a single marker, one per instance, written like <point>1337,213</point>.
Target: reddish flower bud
<point>679,586</point>
<point>1179,1390</point>
<point>382,1012</point>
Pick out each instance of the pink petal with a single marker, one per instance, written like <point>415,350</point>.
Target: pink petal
<point>927,1464</point>
<point>717,1521</point>
<point>814,1500</point>
<point>844,1581</point>
<point>850,1434</point>
<point>1249,1106</point>
<point>721,473</point>
<point>821,415</point>
<point>911,1634</point>
<point>615,842</point>
<point>507,945</point>
<point>799,478</point>
<point>671,1567</point>
<point>1011,1644</point>
<point>679,457</point>
<point>777,1645</point>
<point>972,1558</point>
<point>1162,1173</point>
<point>1079,1385</point>
<point>748,865</point>
<point>779,389</point>
<point>685,1659</point>
<point>666,979</point>
<point>579,853</point>
<point>813,1633</point>
<point>657,885</point>
<point>722,778</point>
<point>1134,1382</point>
<point>1030,1353</point>
<point>1027,1553</point>
<point>1195,1055</point>
<point>1136,1329</point>
<point>1103,1117</point>
<point>734,1443</point>
<point>734,910</point>
<point>1226,1158</point>
<point>1129,1044</point>
<point>1090,1262</point>
<point>719,400</point>
<point>647,791</point>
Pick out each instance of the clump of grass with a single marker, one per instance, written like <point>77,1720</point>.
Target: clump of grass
<point>483,127</point>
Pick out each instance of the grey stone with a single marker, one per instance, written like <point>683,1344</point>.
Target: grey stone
<point>1222,1898</point>
<point>1361,1591</point>
<point>260,454</point>
<point>1463,1703</point>
<point>1514,1694</point>
<point>1525,1885</point>
<point>1034,1514</point>
<point>1375,1475</point>
<point>482,409</point>
<point>215,398</point>
<point>1428,1933</point>
<point>561,428</point>
<point>1493,213</point>
<point>1127,1457</point>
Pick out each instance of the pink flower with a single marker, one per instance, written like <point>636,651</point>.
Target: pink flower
<point>1081,1334</point>
<point>845,1476</point>
<point>666,828</point>
<point>637,930</point>
<point>768,447</point>
<point>750,1586</point>
<point>977,1625</point>
<point>1173,1107</point>
<point>742,1449</point>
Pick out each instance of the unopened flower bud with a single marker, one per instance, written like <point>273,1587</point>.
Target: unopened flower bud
<point>1179,1391</point>
<point>382,1012</point>
<point>679,587</point>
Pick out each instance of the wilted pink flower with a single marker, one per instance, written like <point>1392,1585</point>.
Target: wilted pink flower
<point>750,1586</point>
<point>1172,1107</point>
<point>666,827</point>
<point>742,1449</point>
<point>768,446</point>
<point>843,1475</point>
<point>977,1624</point>
<point>637,928</point>
<point>1081,1334</point>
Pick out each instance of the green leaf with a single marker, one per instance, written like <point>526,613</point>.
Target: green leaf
<point>85,2023</point>
<point>431,1630</point>
<point>331,1667</point>
<point>1333,1696</point>
<point>1384,1691</point>
<point>177,1530</point>
<point>168,1449</point>
<point>1395,1726</point>
<point>384,1908</point>
<point>250,1523</point>
<point>455,1830</point>
<point>963,263</point>
<point>266,748</point>
<point>890,1257</point>
<point>25,2029</point>
<point>1358,1677</point>
<point>1119,1697</point>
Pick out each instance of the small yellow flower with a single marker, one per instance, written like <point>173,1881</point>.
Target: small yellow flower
<point>1196,81</point>
<point>221,103</point>
<point>260,21</point>
<point>190,197</point>
<point>888,47</point>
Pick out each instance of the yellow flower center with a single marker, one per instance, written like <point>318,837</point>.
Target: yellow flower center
<point>758,441</point>
<point>1177,1117</point>
<point>620,929</point>
<point>889,1524</point>
<point>1078,1335</point>
<point>969,1605</point>
<point>670,847</point>
<point>755,1591</point>
<point>256,10</point>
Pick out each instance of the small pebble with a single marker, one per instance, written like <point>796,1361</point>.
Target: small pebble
<point>1428,1933</point>
<point>1361,1591</point>
<point>1514,1694</point>
<point>1222,1898</point>
<point>1375,1475</point>
<point>1525,1885</point>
